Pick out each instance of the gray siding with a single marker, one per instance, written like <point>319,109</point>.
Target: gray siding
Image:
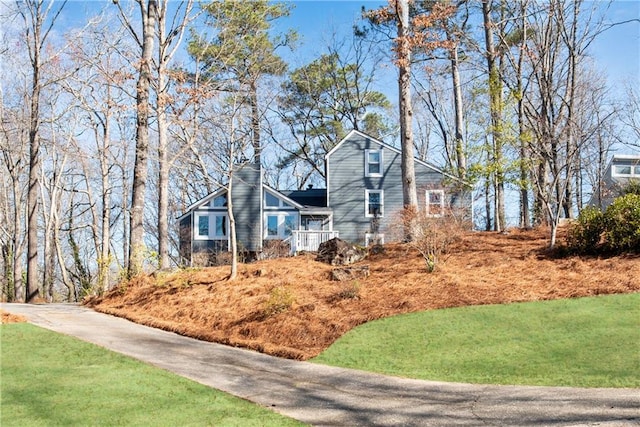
<point>247,202</point>
<point>612,186</point>
<point>347,183</point>
<point>186,239</point>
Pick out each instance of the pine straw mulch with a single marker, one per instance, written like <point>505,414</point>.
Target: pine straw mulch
<point>11,318</point>
<point>483,268</point>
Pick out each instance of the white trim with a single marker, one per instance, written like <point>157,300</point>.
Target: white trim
<point>206,199</point>
<point>211,225</point>
<point>366,203</point>
<point>626,157</point>
<point>283,199</point>
<point>427,202</point>
<point>368,237</point>
<point>632,171</point>
<point>367,163</point>
<point>281,224</point>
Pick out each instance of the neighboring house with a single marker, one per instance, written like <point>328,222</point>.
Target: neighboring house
<point>362,200</point>
<point>622,169</point>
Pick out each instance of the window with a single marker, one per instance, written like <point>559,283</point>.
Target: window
<point>203,226</point>
<point>374,203</point>
<point>211,226</point>
<point>272,226</point>
<point>270,200</point>
<point>219,202</point>
<point>435,202</point>
<point>280,225</point>
<point>372,239</point>
<point>290,224</point>
<point>373,163</point>
<point>221,226</point>
<point>626,170</point>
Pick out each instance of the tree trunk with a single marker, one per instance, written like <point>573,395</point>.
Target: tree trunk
<point>495,111</point>
<point>17,244</point>
<point>232,230</point>
<point>140,169</point>
<point>163,174</point>
<point>409,192</point>
<point>104,261</point>
<point>255,121</point>
<point>459,119</point>
<point>525,217</point>
<point>33,276</point>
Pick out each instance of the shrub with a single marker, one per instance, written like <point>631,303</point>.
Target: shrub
<point>585,234</point>
<point>432,235</point>
<point>633,187</point>
<point>280,299</point>
<point>622,221</point>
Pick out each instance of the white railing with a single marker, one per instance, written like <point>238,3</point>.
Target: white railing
<point>309,240</point>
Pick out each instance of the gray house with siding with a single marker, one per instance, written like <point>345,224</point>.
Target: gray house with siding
<point>361,202</point>
<point>621,170</point>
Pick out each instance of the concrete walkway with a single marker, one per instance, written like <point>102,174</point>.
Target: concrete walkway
<point>328,396</point>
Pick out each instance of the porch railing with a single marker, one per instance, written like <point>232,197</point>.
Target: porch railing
<point>310,240</point>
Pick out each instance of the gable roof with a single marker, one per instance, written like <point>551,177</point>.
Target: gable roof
<point>206,199</point>
<point>394,149</point>
<point>222,190</point>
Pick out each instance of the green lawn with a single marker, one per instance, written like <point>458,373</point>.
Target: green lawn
<point>50,379</point>
<point>587,342</point>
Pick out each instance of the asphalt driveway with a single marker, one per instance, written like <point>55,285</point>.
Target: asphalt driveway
<point>328,396</point>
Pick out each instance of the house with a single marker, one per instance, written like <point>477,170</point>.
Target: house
<point>621,170</point>
<point>361,201</point>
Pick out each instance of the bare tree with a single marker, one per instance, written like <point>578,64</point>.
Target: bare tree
<point>413,34</point>
<point>557,55</point>
<point>39,18</point>
<point>148,13</point>
<point>14,177</point>
<point>169,40</point>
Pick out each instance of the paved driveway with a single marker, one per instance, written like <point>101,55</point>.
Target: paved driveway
<point>328,396</point>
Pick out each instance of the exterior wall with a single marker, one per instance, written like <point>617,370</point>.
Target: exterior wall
<point>247,203</point>
<point>186,239</point>
<point>347,184</point>
<point>613,183</point>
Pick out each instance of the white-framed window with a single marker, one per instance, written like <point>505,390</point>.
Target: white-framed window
<point>371,239</point>
<point>434,200</point>
<point>373,162</point>
<point>271,201</point>
<point>626,170</point>
<point>202,226</point>
<point>280,225</point>
<point>211,226</point>
<point>220,201</point>
<point>373,203</point>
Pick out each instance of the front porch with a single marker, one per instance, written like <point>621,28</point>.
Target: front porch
<point>310,240</point>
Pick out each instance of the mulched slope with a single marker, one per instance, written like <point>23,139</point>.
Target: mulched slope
<point>483,268</point>
<point>11,318</point>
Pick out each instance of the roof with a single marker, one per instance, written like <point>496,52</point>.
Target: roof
<point>201,202</point>
<point>394,149</point>
<point>310,197</point>
<point>285,195</point>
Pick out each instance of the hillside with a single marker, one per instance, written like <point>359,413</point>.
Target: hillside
<point>290,308</point>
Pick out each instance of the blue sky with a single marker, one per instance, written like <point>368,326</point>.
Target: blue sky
<point>616,52</point>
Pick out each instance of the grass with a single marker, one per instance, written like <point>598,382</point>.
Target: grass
<point>586,342</point>
<point>51,379</point>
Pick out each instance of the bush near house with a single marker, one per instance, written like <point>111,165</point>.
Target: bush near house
<point>617,230</point>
